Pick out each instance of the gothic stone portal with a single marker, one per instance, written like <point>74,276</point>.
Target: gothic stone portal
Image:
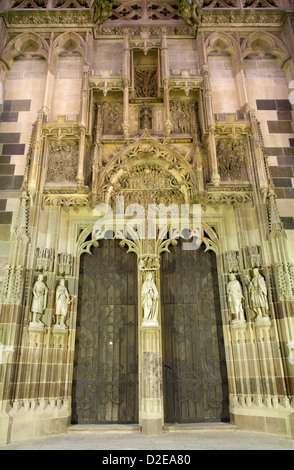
<point>194,369</point>
<point>105,384</point>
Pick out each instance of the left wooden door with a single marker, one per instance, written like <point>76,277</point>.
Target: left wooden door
<point>105,379</point>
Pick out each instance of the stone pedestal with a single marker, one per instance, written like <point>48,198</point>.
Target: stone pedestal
<point>150,372</point>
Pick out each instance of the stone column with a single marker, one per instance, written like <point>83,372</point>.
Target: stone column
<point>126,124</point>
<point>167,121</point>
<point>165,78</point>
<point>126,82</point>
<point>151,417</point>
<point>214,173</point>
<point>83,125</point>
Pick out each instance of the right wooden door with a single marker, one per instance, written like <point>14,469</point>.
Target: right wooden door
<point>194,366</point>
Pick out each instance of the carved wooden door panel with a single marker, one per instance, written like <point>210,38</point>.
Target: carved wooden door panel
<point>194,368</point>
<point>105,373</point>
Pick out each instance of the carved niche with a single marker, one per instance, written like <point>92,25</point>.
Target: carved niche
<point>63,161</point>
<point>231,156</point>
<point>145,113</point>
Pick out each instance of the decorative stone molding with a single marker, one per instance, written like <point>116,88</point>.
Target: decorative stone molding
<point>65,264</point>
<point>44,259</point>
<point>285,276</point>
<point>230,196</point>
<point>232,262</point>
<point>253,257</point>
<point>67,201</point>
<point>12,286</point>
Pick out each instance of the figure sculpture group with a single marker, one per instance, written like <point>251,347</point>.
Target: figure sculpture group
<point>39,303</point>
<point>258,296</point>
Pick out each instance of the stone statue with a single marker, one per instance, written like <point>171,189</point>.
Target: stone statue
<point>236,297</point>
<point>102,10</point>
<point>40,294</point>
<point>258,293</point>
<point>150,298</point>
<point>62,303</point>
<point>190,12</point>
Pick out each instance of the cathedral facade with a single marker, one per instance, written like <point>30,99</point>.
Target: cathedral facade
<point>147,215</point>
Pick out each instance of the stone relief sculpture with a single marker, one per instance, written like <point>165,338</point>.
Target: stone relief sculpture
<point>40,294</point>
<point>231,155</point>
<point>258,294</point>
<point>62,303</point>
<point>181,116</point>
<point>150,299</point>
<point>235,296</point>
<point>112,118</point>
<point>145,82</point>
<point>63,161</point>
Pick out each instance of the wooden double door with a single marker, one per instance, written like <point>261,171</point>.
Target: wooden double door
<point>105,383</point>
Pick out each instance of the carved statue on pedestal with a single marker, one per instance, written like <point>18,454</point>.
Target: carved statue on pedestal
<point>40,294</point>
<point>235,296</point>
<point>150,298</point>
<point>62,303</point>
<point>258,293</point>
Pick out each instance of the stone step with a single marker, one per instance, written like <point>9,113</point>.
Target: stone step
<point>136,428</point>
<point>176,427</point>
<point>104,428</point>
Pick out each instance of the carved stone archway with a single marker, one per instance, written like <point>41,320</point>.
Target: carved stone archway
<point>148,251</point>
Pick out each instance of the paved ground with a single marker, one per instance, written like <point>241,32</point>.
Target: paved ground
<point>201,439</point>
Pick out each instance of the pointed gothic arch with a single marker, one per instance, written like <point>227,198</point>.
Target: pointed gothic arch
<point>225,43</point>
<point>68,42</point>
<point>265,42</point>
<point>30,43</point>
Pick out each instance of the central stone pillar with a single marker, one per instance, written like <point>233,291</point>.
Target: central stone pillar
<point>151,417</point>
